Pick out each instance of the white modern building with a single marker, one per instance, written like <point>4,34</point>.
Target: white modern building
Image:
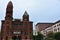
<point>54,28</point>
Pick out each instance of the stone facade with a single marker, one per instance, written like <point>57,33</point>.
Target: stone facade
<point>13,29</point>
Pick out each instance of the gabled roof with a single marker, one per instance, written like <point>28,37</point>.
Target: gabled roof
<point>25,13</point>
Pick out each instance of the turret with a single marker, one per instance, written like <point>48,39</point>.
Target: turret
<point>9,11</point>
<point>25,16</point>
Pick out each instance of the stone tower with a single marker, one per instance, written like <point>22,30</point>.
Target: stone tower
<point>16,29</point>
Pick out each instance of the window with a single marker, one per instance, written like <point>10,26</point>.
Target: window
<point>25,33</point>
<point>58,28</point>
<point>25,28</point>
<point>54,26</point>
<point>7,30</point>
<point>17,24</point>
<point>8,23</point>
<point>55,30</point>
<point>59,24</point>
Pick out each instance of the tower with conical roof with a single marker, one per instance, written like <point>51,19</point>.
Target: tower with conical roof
<point>7,23</point>
<point>25,16</point>
<point>15,29</point>
<point>9,11</point>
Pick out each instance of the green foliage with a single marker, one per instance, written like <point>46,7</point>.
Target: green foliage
<point>57,36</point>
<point>50,35</point>
<point>50,39</point>
<point>37,37</point>
<point>53,36</point>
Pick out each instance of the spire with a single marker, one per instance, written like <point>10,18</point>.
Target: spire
<point>10,4</point>
<point>9,11</point>
<point>9,7</point>
<point>25,14</point>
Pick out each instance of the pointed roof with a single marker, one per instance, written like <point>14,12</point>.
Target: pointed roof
<point>10,4</point>
<point>25,13</point>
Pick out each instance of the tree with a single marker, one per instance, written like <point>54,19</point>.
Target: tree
<point>37,37</point>
<point>50,39</point>
<point>50,36</point>
<point>57,36</point>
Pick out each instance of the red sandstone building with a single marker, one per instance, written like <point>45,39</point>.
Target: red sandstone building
<point>16,29</point>
<point>42,26</point>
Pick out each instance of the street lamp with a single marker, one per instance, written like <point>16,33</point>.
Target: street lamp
<point>35,34</point>
<point>17,38</point>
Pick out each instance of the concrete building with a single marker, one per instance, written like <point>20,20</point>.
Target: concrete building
<point>45,29</point>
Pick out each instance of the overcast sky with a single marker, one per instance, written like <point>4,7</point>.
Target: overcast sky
<point>38,10</point>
